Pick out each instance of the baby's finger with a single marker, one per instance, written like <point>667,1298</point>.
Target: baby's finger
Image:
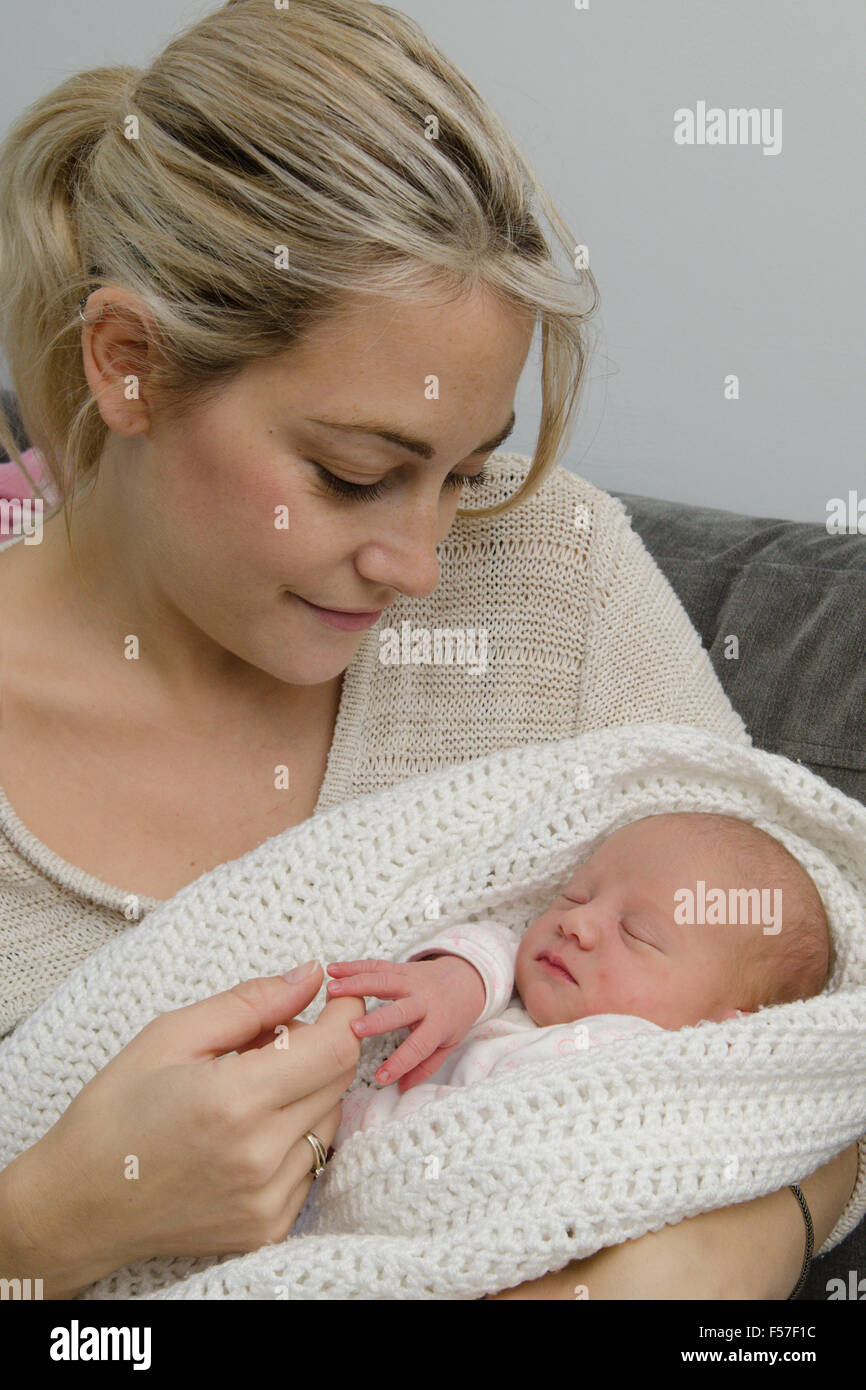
<point>425,1069</point>
<point>384,1020</point>
<point>384,984</point>
<point>410,1054</point>
<point>351,967</point>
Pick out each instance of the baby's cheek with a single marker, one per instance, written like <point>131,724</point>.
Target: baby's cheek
<point>622,996</point>
<point>606,982</point>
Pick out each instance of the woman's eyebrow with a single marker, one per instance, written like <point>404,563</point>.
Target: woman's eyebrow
<point>404,441</point>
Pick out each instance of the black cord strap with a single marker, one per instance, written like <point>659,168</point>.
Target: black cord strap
<point>810,1241</point>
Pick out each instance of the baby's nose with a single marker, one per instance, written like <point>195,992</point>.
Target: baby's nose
<point>580,928</point>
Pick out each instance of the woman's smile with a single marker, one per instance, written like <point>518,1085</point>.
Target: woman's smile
<point>347,620</point>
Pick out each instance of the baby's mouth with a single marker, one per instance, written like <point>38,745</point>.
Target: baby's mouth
<point>556,966</point>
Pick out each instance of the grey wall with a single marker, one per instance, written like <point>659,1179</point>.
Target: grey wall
<point>711,259</point>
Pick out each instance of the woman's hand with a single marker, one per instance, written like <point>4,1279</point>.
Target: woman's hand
<point>175,1148</point>
<point>438,999</point>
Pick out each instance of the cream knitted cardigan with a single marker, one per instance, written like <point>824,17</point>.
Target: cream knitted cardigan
<point>518,1174</point>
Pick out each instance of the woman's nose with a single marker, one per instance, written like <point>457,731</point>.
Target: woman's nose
<point>405,559</point>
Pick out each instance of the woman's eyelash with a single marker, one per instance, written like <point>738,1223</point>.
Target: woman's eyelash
<point>368,492</point>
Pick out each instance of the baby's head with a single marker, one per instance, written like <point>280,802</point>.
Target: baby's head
<point>678,918</point>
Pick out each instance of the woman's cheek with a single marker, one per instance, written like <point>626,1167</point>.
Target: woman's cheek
<point>256,521</point>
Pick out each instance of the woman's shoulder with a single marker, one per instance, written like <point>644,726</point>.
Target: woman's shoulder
<point>529,578</point>
<point>564,500</point>
<point>568,524</point>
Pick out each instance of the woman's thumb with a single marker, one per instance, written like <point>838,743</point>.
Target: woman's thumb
<point>224,1022</point>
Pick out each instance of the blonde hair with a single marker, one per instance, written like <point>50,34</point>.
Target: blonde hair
<point>260,128</point>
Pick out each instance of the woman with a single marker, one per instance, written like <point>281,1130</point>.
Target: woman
<point>292,217</point>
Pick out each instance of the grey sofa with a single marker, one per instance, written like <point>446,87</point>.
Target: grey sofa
<point>795,597</point>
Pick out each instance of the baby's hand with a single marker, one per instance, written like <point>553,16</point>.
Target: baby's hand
<point>439,999</point>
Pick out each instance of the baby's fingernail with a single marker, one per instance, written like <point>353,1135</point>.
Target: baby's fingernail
<point>383,1075</point>
<point>332,986</point>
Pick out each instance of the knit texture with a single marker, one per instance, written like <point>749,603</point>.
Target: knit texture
<point>505,1180</point>
<point>583,632</point>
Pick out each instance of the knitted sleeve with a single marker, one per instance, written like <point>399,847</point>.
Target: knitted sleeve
<point>644,661</point>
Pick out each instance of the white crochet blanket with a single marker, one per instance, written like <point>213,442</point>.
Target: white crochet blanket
<point>505,1180</point>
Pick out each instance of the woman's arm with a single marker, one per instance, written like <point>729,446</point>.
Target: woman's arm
<point>752,1251</point>
<point>65,1259</point>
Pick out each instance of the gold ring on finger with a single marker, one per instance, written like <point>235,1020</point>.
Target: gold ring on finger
<point>319,1150</point>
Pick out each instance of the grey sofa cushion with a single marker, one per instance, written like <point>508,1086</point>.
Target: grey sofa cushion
<point>795,597</point>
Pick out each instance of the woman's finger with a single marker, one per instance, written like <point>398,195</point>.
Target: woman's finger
<point>295,1177</point>
<point>302,1060</point>
<point>225,1022</point>
<point>313,1113</point>
<point>295,1119</point>
<point>300,1158</point>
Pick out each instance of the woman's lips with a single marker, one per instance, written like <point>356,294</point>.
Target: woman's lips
<point>347,622</point>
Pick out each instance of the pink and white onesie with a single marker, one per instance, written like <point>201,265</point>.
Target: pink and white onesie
<point>502,1037</point>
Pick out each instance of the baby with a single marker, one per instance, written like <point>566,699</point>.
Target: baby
<point>672,920</point>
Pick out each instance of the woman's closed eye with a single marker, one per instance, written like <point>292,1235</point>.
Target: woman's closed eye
<point>367,492</point>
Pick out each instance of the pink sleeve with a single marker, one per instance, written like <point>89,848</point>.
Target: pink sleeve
<point>14,486</point>
<point>13,482</point>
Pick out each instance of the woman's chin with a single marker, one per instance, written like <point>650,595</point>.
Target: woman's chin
<point>314,672</point>
<point>293,667</point>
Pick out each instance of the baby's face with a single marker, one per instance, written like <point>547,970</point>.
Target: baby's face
<point>614,930</point>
